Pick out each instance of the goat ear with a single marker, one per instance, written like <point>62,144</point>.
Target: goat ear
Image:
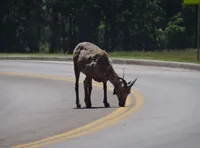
<point>129,82</point>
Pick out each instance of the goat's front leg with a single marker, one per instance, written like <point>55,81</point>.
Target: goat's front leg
<point>88,89</point>
<point>105,101</point>
<point>77,75</point>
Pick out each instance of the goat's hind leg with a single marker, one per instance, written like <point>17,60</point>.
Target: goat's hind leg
<point>88,89</point>
<point>77,75</point>
<point>105,101</point>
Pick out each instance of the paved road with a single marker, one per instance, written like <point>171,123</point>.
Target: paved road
<point>169,117</point>
<point>35,108</point>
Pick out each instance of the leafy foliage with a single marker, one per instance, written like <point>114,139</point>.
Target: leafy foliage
<point>56,26</point>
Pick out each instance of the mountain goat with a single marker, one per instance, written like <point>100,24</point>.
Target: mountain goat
<point>94,62</point>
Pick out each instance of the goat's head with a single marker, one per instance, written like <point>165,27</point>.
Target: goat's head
<point>123,90</point>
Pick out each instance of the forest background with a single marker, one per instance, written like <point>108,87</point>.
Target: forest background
<point>126,26</point>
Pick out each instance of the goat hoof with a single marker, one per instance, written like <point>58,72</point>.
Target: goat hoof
<point>121,105</point>
<point>107,105</point>
<point>88,105</point>
<point>78,106</point>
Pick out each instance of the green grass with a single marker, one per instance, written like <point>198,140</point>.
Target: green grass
<point>187,56</point>
<point>179,56</point>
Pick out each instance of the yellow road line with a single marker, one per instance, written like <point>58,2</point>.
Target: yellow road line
<point>115,120</point>
<point>101,123</point>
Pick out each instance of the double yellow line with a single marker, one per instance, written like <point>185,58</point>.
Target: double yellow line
<point>96,125</point>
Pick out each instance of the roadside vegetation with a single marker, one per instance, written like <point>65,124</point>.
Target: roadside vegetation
<point>178,56</point>
<point>124,28</point>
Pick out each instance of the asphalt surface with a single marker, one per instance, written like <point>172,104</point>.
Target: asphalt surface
<point>168,118</point>
<point>35,108</point>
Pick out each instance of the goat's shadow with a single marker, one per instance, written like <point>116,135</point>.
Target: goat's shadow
<point>100,107</point>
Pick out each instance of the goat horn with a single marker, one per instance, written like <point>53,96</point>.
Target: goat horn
<point>131,84</point>
<point>123,72</point>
